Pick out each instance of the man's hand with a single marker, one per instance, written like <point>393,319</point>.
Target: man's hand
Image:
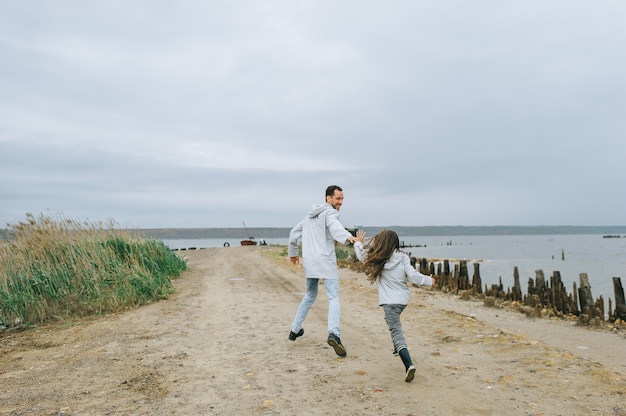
<point>295,259</point>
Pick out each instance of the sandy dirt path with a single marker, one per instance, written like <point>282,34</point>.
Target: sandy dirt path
<point>219,346</point>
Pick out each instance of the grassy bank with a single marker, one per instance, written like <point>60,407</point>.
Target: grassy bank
<point>341,252</point>
<point>57,269</point>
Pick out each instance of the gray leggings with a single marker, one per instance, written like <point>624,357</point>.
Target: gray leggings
<point>392,317</point>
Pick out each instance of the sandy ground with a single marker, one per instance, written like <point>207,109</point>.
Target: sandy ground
<point>219,346</point>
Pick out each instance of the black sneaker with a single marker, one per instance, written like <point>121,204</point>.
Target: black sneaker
<point>335,342</point>
<point>293,335</point>
<point>410,374</point>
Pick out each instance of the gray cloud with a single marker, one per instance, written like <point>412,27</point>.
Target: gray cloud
<point>205,114</point>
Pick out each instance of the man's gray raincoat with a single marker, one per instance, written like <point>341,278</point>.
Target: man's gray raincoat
<point>318,231</point>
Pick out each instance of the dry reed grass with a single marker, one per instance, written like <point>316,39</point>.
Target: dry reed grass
<point>61,268</point>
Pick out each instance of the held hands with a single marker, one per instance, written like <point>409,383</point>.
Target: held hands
<point>295,259</point>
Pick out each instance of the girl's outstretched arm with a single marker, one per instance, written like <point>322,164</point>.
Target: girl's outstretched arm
<point>359,249</point>
<point>415,276</point>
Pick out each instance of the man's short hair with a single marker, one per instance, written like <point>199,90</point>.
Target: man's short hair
<point>330,191</point>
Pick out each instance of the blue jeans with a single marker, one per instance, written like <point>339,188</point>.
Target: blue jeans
<point>392,317</point>
<point>332,292</point>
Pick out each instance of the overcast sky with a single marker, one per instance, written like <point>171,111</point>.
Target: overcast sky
<point>211,113</point>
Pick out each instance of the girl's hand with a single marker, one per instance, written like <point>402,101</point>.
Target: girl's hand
<point>360,236</point>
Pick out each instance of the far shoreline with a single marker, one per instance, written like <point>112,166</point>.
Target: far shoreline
<point>403,231</point>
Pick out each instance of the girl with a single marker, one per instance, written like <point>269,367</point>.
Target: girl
<point>390,268</point>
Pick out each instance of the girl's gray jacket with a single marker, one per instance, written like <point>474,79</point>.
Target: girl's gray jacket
<point>392,283</point>
<point>318,231</point>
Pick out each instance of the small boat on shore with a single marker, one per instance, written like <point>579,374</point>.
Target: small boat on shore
<point>250,241</point>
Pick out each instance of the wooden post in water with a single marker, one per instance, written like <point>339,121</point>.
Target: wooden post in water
<point>463,276</point>
<point>424,266</point>
<point>446,274</point>
<point>476,281</point>
<point>556,293</point>
<point>517,289</point>
<point>584,295</point>
<point>532,298</point>
<point>531,287</point>
<point>598,308</point>
<point>588,307</point>
<point>454,286</point>
<point>540,287</point>
<point>620,302</point>
<point>575,293</point>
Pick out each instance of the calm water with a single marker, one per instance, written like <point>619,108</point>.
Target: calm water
<point>601,258</point>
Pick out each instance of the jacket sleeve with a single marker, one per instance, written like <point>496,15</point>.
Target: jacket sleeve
<point>359,250</point>
<point>337,231</point>
<point>295,235</point>
<point>413,275</point>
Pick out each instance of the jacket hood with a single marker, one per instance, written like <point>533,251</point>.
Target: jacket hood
<point>317,209</point>
<point>394,260</point>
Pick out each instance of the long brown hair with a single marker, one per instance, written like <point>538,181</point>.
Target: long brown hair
<point>379,250</point>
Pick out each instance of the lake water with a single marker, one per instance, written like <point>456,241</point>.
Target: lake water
<point>601,258</point>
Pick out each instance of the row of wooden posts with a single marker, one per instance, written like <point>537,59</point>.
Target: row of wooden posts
<point>542,293</point>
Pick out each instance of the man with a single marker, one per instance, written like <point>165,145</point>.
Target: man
<point>318,231</point>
